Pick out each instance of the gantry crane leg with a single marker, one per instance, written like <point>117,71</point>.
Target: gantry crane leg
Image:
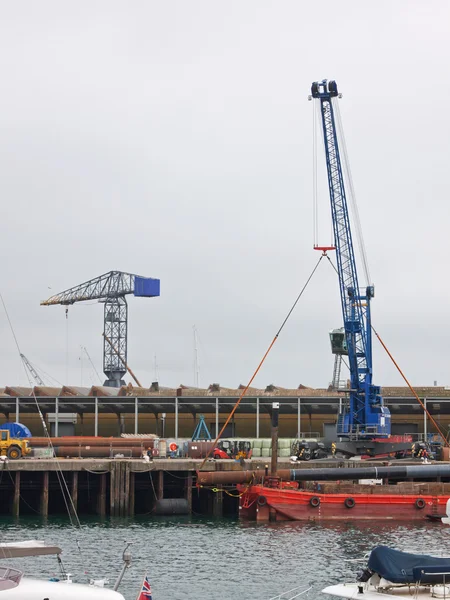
<point>116,330</point>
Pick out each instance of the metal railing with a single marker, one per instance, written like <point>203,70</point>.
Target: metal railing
<point>9,578</point>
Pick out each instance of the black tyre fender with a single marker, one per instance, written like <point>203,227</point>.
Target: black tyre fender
<point>420,503</point>
<point>262,501</point>
<point>315,501</point>
<point>349,502</point>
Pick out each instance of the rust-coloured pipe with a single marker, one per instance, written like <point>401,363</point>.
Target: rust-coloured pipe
<point>43,442</point>
<point>95,452</point>
<point>235,477</point>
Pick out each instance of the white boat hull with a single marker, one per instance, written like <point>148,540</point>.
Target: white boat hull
<point>350,590</point>
<point>37,589</point>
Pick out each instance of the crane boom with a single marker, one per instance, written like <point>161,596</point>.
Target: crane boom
<point>366,416</point>
<point>109,285</point>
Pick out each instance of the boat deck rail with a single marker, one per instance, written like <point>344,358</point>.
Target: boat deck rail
<point>9,578</point>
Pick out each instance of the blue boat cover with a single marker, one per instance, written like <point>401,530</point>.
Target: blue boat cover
<point>402,567</point>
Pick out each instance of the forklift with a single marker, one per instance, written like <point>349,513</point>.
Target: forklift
<point>235,450</point>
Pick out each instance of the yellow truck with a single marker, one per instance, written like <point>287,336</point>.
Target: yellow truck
<point>13,447</point>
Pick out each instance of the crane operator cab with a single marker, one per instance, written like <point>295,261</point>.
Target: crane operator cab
<point>338,341</point>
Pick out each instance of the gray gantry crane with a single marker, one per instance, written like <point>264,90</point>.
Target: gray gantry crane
<point>111,289</point>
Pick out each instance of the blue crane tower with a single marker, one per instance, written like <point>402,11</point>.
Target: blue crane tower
<point>365,417</point>
<point>111,289</point>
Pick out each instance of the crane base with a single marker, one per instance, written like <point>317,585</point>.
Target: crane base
<point>371,448</point>
<point>114,383</point>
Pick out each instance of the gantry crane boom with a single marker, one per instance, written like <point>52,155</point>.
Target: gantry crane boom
<point>111,289</point>
<point>366,416</point>
<point>110,285</point>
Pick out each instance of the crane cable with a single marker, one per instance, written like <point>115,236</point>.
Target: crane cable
<point>230,416</point>
<point>413,391</point>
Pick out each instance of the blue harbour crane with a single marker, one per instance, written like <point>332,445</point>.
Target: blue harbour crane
<point>111,289</point>
<point>365,417</point>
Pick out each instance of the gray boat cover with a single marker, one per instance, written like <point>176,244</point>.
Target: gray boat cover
<point>402,567</point>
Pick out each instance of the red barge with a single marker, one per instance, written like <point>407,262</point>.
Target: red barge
<point>408,492</point>
<point>409,502</point>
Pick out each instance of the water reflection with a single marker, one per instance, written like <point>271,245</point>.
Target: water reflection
<point>195,558</point>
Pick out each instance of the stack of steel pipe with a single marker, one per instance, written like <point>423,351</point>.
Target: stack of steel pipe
<point>43,442</point>
<point>96,451</point>
<point>94,447</point>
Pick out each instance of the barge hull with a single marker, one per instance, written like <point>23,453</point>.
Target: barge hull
<point>261,503</point>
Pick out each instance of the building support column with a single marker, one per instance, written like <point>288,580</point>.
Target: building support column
<point>56,417</point>
<point>96,418</point>
<point>189,491</point>
<point>125,489</point>
<point>218,504</point>
<point>136,416</point>
<point>75,491</point>
<point>160,489</point>
<point>176,418</point>
<point>17,410</point>
<point>299,428</point>
<point>112,490</point>
<point>425,420</point>
<point>16,501</point>
<point>44,494</point>
<point>217,417</point>
<point>101,502</point>
<point>257,417</point>
<point>132,494</point>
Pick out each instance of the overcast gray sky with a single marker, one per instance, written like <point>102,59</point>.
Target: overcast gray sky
<point>173,139</point>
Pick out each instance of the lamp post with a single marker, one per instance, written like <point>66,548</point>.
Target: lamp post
<point>163,424</point>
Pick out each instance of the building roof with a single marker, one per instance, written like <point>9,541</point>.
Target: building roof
<point>212,391</point>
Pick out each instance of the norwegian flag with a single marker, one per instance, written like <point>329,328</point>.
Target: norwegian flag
<point>146,590</point>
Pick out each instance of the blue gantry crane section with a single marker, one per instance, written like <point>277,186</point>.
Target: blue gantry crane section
<point>366,416</point>
<point>111,289</point>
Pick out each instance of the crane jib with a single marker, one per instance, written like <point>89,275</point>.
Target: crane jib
<point>366,415</point>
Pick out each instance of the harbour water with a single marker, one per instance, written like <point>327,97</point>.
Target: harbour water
<point>202,558</point>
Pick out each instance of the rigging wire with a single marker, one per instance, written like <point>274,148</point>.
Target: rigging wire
<point>244,391</point>
<point>351,190</point>
<point>92,364</point>
<point>411,388</point>
<point>59,473</point>
<point>46,375</point>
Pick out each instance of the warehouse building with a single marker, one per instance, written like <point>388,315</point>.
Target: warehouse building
<point>174,412</point>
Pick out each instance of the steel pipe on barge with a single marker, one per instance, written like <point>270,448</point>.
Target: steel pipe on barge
<point>235,477</point>
<point>329,474</point>
<point>393,472</point>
